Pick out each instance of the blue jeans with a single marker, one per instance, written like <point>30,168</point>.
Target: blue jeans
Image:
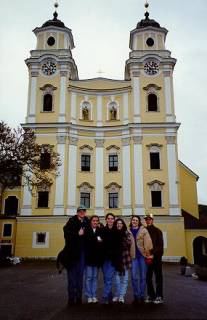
<point>138,274</point>
<point>75,279</point>
<point>108,273</point>
<point>121,284</point>
<point>91,280</point>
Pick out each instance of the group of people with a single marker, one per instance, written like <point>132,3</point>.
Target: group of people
<point>117,251</point>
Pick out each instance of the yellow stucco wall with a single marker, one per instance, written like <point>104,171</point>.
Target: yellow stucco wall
<point>190,236</point>
<point>188,191</point>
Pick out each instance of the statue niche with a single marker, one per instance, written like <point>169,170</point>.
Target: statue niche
<point>113,113</point>
<point>85,113</point>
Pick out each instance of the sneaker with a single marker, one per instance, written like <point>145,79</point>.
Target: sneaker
<point>115,299</point>
<point>148,300</point>
<point>158,300</point>
<point>90,300</point>
<point>94,300</point>
<point>121,300</point>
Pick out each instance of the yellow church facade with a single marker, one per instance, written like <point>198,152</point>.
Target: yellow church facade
<point>117,141</point>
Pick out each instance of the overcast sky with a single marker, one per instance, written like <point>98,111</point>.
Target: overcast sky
<point>101,33</point>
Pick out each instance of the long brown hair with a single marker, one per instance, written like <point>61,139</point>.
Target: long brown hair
<point>135,216</point>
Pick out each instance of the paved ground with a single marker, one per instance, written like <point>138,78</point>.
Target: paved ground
<point>34,290</point>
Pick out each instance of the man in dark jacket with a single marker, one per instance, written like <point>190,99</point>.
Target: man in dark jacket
<point>74,231</point>
<point>155,295</point>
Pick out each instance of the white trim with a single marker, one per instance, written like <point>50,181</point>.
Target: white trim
<point>126,170</point>
<point>72,168</point>
<point>35,245</point>
<point>168,100</point>
<point>172,178</point>
<point>126,108</point>
<point>99,202</point>
<point>60,183</point>
<point>171,258</point>
<point>164,233</point>
<point>73,107</point>
<point>26,209</point>
<point>136,95</point>
<point>62,99</point>
<point>138,179</point>
<point>32,108</point>
<point>99,111</point>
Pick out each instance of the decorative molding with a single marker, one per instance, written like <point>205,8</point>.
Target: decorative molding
<point>73,141</point>
<point>86,146</point>
<point>113,187</point>
<point>137,139</point>
<point>135,73</point>
<point>48,86</point>
<point>154,145</point>
<point>63,73</point>
<point>125,141</point>
<point>99,143</point>
<point>34,74</point>
<point>154,86</point>
<point>85,187</point>
<point>170,139</point>
<point>167,73</point>
<point>112,147</point>
<point>155,182</point>
<point>61,139</point>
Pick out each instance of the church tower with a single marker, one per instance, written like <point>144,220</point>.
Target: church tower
<point>50,66</point>
<point>150,69</point>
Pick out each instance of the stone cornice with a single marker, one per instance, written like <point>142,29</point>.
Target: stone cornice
<point>117,128</point>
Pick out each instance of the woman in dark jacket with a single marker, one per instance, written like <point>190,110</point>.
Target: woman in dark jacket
<point>93,258</point>
<point>122,260</point>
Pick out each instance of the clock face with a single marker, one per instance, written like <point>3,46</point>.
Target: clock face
<point>49,68</point>
<point>151,68</point>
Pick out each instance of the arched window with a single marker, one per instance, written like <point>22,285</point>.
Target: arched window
<point>86,194</point>
<point>48,97</point>
<point>152,102</point>
<point>47,102</point>
<point>11,206</point>
<point>156,190</point>
<point>113,190</point>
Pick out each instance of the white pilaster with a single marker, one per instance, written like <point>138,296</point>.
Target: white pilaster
<point>99,196</point>
<point>73,107</point>
<point>33,92</point>
<point>26,209</point>
<point>127,205</point>
<point>168,96</point>
<point>138,176</point>
<point>59,190</point>
<point>126,108</point>
<point>136,94</point>
<point>72,169</point>
<point>172,176</point>
<point>99,111</point>
<point>27,202</point>
<point>63,75</point>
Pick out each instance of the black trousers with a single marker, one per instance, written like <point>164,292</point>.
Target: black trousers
<point>156,269</point>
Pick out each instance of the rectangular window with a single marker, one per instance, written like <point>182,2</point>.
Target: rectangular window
<point>43,199</point>
<point>45,161</point>
<point>156,198</point>
<point>85,199</point>
<point>154,160</point>
<point>6,250</point>
<point>40,237</point>
<point>85,162</point>
<point>113,200</point>
<point>113,162</point>
<point>7,231</point>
